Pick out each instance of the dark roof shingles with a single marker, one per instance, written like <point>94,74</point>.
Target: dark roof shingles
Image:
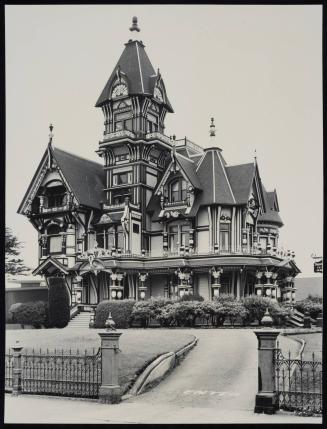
<point>85,177</point>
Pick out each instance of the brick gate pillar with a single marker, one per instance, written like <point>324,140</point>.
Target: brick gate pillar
<point>110,390</point>
<point>266,400</point>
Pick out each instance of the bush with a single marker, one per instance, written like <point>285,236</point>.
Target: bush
<point>279,312</point>
<point>142,311</point>
<point>13,308</point>
<point>179,314</point>
<point>310,306</point>
<point>256,307</point>
<point>30,313</point>
<point>315,298</point>
<point>190,297</point>
<point>59,308</point>
<point>121,312</point>
<point>234,310</point>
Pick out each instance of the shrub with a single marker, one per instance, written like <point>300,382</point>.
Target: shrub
<point>157,305</point>
<point>121,312</point>
<point>279,312</point>
<point>190,297</point>
<point>256,307</point>
<point>30,313</point>
<point>58,298</point>
<point>307,305</point>
<point>179,313</point>
<point>13,308</point>
<point>224,297</point>
<point>315,298</point>
<point>142,311</point>
<point>234,310</point>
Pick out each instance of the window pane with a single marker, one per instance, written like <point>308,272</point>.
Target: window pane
<point>184,194</point>
<point>224,240</point>
<point>100,240</point>
<point>120,237</point>
<point>56,244</point>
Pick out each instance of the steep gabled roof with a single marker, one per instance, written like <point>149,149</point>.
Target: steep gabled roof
<point>270,215</point>
<point>86,178</point>
<point>241,179</point>
<point>136,67</point>
<point>214,180</point>
<point>189,168</point>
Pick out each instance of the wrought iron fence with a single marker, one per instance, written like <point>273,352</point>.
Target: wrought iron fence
<point>298,383</point>
<point>60,373</point>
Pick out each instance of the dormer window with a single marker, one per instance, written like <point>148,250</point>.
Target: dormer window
<point>178,190</point>
<point>55,196</point>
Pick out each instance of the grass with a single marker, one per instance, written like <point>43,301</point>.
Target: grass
<point>139,347</point>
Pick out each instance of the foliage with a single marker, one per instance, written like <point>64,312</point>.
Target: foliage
<point>307,305</point>
<point>256,307</point>
<point>279,312</point>
<point>59,308</point>
<point>30,313</point>
<point>143,311</point>
<point>190,297</point>
<point>13,265</point>
<point>315,298</point>
<point>121,312</point>
<point>234,310</point>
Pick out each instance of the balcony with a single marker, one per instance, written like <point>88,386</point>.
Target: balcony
<point>186,253</point>
<point>120,206</point>
<point>159,136</point>
<point>118,135</point>
<point>55,204</point>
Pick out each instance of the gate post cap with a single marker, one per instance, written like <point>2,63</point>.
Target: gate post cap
<point>17,347</point>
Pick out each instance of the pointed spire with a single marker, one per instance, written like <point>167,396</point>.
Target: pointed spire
<point>255,156</point>
<point>212,128</point>
<point>51,134</point>
<point>134,26</point>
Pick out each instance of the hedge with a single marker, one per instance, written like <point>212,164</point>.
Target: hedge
<point>59,307</point>
<point>121,312</point>
<point>309,306</point>
<point>30,313</point>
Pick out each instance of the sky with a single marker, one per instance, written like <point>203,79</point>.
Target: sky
<point>256,69</point>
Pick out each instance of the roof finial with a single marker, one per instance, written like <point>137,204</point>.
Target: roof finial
<point>255,156</point>
<point>134,26</point>
<point>51,134</point>
<point>212,128</point>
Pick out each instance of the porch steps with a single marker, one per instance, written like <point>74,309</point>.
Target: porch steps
<point>81,321</point>
<point>296,319</point>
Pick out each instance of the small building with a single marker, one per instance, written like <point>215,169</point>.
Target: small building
<point>22,289</point>
<point>159,216</point>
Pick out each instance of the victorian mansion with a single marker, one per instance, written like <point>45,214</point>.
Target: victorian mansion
<point>159,216</point>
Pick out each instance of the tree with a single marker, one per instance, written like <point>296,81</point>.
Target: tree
<point>14,265</point>
<point>59,308</point>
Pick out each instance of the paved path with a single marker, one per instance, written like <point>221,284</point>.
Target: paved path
<point>216,383</point>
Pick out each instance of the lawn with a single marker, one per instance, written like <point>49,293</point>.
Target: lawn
<point>139,347</point>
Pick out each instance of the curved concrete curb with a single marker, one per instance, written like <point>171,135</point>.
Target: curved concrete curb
<point>157,369</point>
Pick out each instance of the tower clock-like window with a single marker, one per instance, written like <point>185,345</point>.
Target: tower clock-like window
<point>119,90</point>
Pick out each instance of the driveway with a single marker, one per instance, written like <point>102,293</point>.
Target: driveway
<point>216,383</point>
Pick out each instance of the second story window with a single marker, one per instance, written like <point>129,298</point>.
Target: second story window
<point>224,235</point>
<point>178,190</point>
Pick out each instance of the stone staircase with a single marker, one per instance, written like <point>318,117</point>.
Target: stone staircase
<point>80,321</point>
<point>296,319</point>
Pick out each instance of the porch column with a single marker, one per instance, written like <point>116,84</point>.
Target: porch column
<point>238,285</point>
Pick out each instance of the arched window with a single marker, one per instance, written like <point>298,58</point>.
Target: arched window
<point>178,190</point>
<point>55,195</point>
